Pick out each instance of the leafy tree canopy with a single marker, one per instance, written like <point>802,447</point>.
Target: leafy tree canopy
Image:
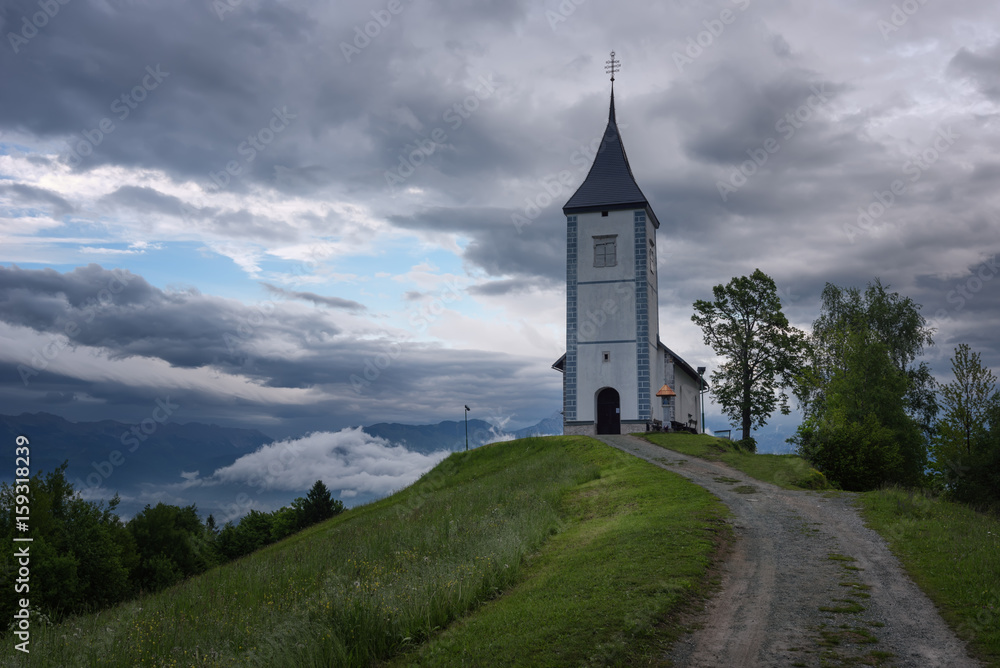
<point>863,380</point>
<point>763,352</point>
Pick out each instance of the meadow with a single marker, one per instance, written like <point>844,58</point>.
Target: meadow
<point>538,551</point>
<point>785,471</point>
<point>952,552</point>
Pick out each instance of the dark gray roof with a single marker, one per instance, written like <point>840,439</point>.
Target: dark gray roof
<point>560,364</point>
<point>609,184</point>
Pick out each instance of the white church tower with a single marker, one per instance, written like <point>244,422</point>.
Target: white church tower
<point>618,376</point>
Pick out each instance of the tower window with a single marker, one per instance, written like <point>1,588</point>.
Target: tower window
<point>605,251</point>
<point>606,356</point>
<point>604,214</point>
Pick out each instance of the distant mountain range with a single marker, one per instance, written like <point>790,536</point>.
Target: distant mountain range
<point>139,460</point>
<point>165,447</point>
<point>450,435</point>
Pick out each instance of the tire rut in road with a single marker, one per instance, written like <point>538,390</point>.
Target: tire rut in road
<point>806,583</point>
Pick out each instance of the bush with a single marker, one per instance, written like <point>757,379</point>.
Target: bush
<point>814,480</point>
<point>978,484</point>
<point>748,444</point>
<point>860,456</point>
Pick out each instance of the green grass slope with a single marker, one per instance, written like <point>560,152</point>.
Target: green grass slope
<point>952,553</point>
<point>786,471</point>
<point>540,551</point>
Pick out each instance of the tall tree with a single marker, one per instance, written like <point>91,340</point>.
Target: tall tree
<point>171,543</point>
<point>320,505</point>
<point>763,351</point>
<point>887,317</point>
<point>967,443</point>
<point>966,400</point>
<point>863,379</point>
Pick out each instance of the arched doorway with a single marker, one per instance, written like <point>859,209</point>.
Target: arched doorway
<point>608,412</point>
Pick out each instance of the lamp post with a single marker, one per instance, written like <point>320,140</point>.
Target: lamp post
<point>466,428</point>
<point>701,396</point>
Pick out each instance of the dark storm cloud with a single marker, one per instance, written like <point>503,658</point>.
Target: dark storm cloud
<point>212,92</point>
<point>730,111</point>
<point>32,196</point>
<point>143,199</point>
<point>221,83</point>
<point>499,246</point>
<point>510,286</point>
<point>319,300</point>
<point>982,68</point>
<point>358,380</point>
<point>122,313</point>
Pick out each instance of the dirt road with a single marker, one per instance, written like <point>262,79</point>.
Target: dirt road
<point>806,584</point>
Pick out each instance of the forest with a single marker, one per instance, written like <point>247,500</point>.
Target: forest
<point>84,557</point>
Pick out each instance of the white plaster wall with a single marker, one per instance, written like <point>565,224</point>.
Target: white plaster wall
<point>687,394</point>
<point>653,277</point>
<point>605,312</point>
<point>593,224</point>
<point>593,375</point>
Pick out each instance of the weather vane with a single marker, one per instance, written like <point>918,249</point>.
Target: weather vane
<point>612,66</point>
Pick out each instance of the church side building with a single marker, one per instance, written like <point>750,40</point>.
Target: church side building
<point>618,377</point>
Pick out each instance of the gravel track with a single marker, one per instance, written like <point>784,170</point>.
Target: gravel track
<point>795,553</point>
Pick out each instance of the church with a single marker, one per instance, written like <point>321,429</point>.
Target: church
<point>618,377</point>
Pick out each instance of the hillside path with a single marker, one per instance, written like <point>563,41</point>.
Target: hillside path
<point>779,573</point>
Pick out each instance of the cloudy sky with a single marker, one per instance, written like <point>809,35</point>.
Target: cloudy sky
<point>297,215</point>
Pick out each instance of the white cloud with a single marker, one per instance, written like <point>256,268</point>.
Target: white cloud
<point>349,462</point>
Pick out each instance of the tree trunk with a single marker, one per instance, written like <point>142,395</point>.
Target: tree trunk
<point>747,403</point>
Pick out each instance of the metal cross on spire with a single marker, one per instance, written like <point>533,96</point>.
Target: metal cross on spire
<point>612,66</point>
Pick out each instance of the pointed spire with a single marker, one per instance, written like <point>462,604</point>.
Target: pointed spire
<point>611,67</point>
<point>609,183</point>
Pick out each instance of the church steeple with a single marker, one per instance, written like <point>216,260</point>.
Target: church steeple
<point>609,184</point>
<point>614,359</point>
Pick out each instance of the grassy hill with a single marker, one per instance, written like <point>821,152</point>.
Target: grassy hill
<point>542,551</point>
